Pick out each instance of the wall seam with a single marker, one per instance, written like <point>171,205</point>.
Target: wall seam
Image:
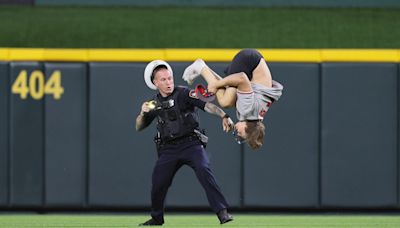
<point>8,139</point>
<point>10,136</point>
<point>242,174</point>
<point>320,82</point>
<point>44,154</point>
<point>398,137</point>
<point>87,117</point>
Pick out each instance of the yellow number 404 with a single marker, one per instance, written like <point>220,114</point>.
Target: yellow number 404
<point>36,85</point>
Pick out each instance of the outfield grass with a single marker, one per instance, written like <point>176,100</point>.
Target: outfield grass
<point>202,220</point>
<point>150,27</point>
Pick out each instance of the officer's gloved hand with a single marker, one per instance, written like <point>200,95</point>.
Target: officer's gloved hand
<point>193,71</point>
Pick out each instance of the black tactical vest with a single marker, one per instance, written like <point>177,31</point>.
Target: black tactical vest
<point>174,123</point>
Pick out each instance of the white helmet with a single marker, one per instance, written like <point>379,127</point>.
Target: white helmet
<point>149,71</point>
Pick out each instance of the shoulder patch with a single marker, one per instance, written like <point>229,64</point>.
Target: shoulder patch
<point>193,94</point>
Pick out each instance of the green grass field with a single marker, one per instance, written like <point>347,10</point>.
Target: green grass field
<point>201,220</point>
<point>185,27</point>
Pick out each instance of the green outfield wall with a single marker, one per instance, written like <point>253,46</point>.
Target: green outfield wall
<point>68,138</point>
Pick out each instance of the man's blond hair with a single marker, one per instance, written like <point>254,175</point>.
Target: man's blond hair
<point>255,131</point>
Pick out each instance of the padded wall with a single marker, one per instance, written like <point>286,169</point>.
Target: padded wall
<point>66,137</point>
<point>4,95</point>
<point>26,143</point>
<point>359,135</point>
<point>284,172</point>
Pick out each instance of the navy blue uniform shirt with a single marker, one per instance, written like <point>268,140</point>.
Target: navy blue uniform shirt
<point>185,103</point>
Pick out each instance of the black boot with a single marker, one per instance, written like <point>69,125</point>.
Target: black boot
<point>224,216</point>
<point>151,222</point>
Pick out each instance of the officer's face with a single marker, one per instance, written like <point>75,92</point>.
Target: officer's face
<point>241,129</point>
<point>164,82</point>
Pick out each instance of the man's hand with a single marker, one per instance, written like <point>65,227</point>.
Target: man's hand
<point>211,88</point>
<point>227,124</point>
<point>147,107</point>
<point>141,120</point>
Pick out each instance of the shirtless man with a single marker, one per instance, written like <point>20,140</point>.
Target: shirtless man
<point>248,86</point>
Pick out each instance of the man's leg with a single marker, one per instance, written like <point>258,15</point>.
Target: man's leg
<point>238,80</point>
<point>262,74</point>
<point>226,96</point>
<point>196,157</point>
<point>163,173</point>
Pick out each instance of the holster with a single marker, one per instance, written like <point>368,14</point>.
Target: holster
<point>158,142</point>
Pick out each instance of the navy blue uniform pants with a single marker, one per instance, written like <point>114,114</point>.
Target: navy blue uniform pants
<point>173,157</point>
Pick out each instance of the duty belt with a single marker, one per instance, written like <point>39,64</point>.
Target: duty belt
<point>184,139</point>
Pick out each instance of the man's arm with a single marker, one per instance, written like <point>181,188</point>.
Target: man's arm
<point>227,123</point>
<point>239,80</point>
<point>141,122</point>
<point>213,109</point>
<point>143,119</point>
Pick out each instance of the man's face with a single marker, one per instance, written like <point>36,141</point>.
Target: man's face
<point>164,82</point>
<point>241,129</point>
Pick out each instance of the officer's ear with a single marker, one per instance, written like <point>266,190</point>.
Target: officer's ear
<point>153,77</point>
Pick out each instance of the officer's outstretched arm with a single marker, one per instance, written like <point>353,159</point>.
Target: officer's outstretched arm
<point>227,123</point>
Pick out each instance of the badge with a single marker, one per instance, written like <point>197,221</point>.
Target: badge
<point>171,103</point>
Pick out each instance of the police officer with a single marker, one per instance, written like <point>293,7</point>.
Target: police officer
<point>179,139</point>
